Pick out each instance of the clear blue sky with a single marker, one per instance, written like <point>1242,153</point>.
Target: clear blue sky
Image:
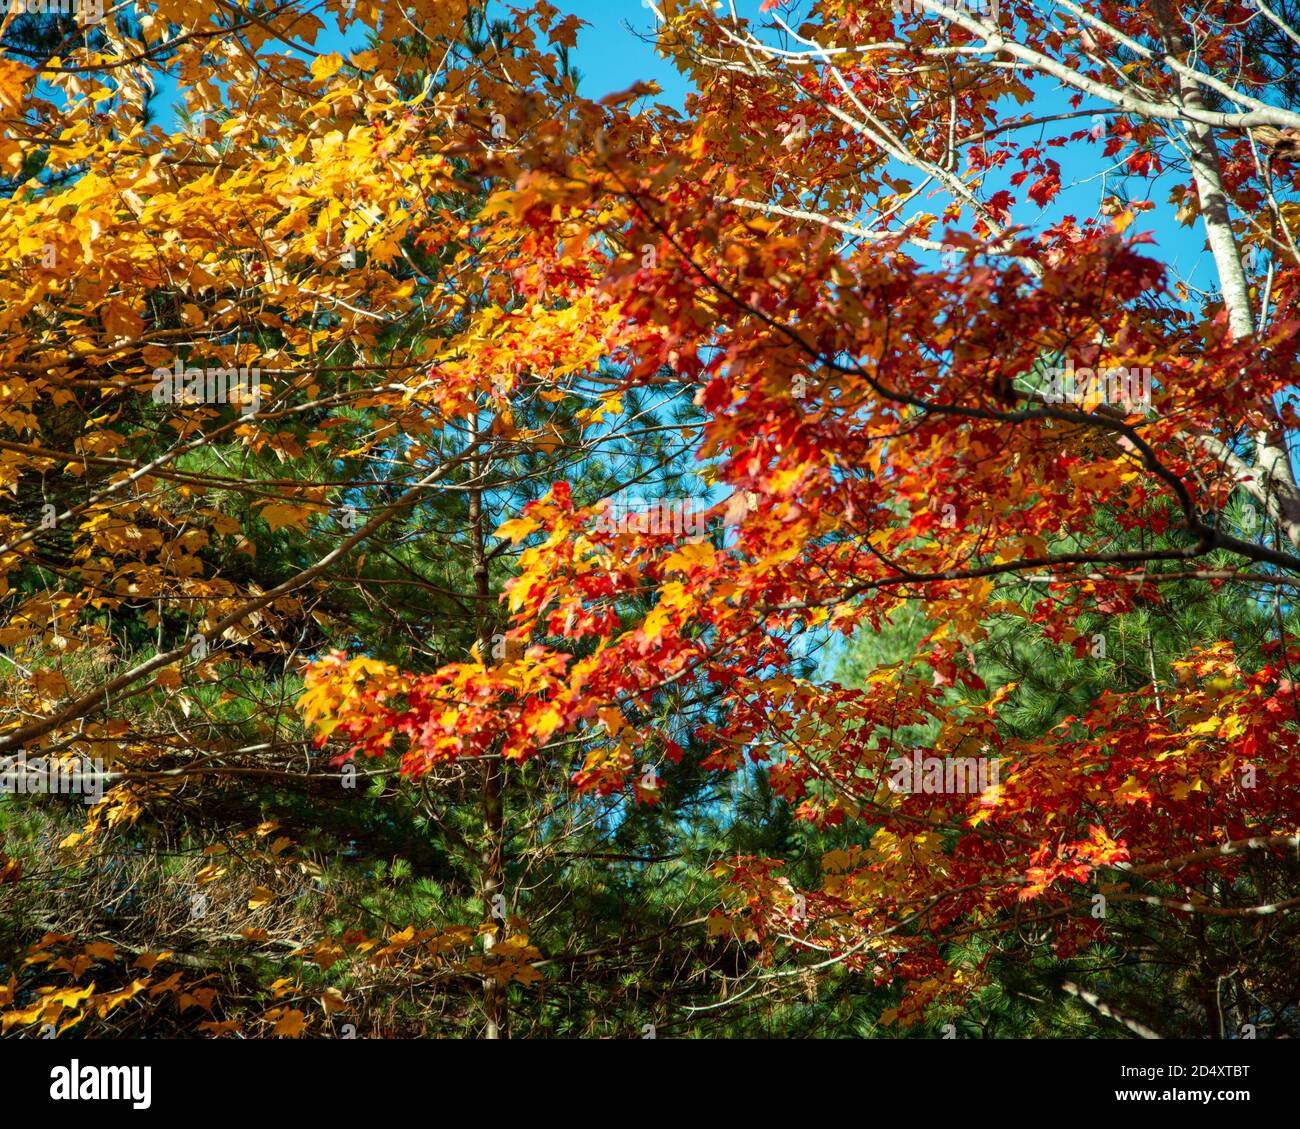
<point>613,53</point>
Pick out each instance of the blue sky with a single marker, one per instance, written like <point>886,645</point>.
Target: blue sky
<point>612,54</point>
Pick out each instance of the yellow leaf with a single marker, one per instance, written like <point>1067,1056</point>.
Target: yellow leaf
<point>518,529</point>
<point>290,1025</point>
<point>655,623</point>
<point>548,721</point>
<point>1130,792</point>
<point>278,516</point>
<point>612,719</point>
<point>50,682</point>
<point>692,553</point>
<point>325,65</point>
<point>611,406</point>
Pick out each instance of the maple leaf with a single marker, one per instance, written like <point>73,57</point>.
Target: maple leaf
<point>283,515</point>
<point>289,1024</point>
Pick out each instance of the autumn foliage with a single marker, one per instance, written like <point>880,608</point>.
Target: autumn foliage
<point>837,288</point>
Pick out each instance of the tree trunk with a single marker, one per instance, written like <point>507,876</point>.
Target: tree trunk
<point>491,868</point>
<point>1273,469</point>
